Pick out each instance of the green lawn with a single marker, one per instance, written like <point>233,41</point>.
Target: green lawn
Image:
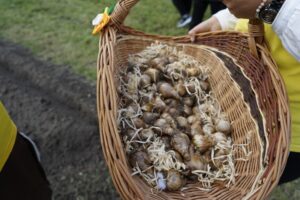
<point>60,31</point>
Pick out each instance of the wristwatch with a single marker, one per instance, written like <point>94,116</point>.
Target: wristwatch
<point>268,12</point>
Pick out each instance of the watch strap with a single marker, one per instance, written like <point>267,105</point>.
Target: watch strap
<point>269,11</point>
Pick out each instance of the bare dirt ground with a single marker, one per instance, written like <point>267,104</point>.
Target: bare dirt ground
<point>57,109</point>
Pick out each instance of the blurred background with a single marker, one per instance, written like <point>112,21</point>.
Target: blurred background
<point>60,30</point>
<point>47,82</point>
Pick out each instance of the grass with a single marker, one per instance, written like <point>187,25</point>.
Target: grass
<point>60,31</point>
<point>288,191</point>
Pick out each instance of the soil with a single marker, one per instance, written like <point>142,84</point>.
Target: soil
<point>57,109</point>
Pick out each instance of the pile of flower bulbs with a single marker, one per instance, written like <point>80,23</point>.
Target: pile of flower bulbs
<point>173,129</point>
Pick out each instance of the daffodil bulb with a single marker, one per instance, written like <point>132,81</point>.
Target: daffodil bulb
<point>202,143</point>
<point>174,180</point>
<point>219,137</point>
<point>208,129</point>
<point>181,142</point>
<point>223,125</point>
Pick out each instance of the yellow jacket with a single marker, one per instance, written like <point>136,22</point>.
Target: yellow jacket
<point>289,68</point>
<point>8,133</point>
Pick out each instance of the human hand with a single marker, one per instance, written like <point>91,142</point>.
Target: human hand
<point>212,24</point>
<point>243,8</point>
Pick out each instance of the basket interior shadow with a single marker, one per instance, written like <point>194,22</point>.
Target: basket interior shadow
<point>246,83</point>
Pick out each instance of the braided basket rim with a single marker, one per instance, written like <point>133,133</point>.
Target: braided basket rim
<point>107,97</point>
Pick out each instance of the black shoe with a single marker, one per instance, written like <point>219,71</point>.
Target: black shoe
<point>184,21</point>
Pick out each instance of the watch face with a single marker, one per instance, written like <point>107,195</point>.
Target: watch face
<point>268,15</point>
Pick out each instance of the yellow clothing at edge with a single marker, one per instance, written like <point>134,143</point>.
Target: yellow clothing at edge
<point>289,68</point>
<point>8,133</point>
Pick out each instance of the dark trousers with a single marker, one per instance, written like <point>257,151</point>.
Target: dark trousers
<point>200,7</point>
<point>22,177</point>
<point>183,6</point>
<point>291,171</point>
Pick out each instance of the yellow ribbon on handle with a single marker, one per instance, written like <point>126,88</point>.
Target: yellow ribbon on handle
<point>103,22</point>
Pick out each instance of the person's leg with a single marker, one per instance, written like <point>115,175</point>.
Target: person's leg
<point>183,6</point>
<point>291,171</point>
<point>199,8</point>
<point>22,176</point>
<point>216,6</point>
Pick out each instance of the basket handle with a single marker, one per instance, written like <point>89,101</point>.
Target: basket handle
<point>256,35</point>
<point>121,11</point>
<point>255,26</point>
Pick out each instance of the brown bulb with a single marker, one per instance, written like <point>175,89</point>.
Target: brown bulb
<point>129,133</point>
<point>164,127</point>
<point>208,129</point>
<point>159,104</point>
<point>145,80</point>
<point>181,143</point>
<point>192,119</point>
<point>138,123</point>
<point>133,108</point>
<point>147,107</point>
<point>224,126</point>
<point>141,159</point>
<point>172,58</point>
<point>146,134</point>
<point>202,143</point>
<point>150,117</point>
<point>167,117</point>
<point>191,88</point>
<point>220,156</point>
<point>196,162</point>
<point>196,110</point>
<point>178,156</point>
<point>182,122</point>
<point>166,140</point>
<point>219,137</point>
<point>204,85</point>
<point>153,73</point>
<point>167,91</point>
<point>159,63</point>
<point>187,110</point>
<point>173,112</point>
<point>196,129</point>
<point>169,131</point>
<point>179,87</point>
<point>193,71</point>
<point>161,123</point>
<point>174,180</point>
<point>189,101</point>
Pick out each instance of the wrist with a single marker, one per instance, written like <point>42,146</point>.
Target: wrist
<point>268,10</point>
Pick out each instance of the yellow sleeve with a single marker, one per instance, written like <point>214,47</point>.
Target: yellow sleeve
<point>289,68</point>
<point>8,133</point>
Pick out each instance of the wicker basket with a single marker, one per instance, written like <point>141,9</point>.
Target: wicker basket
<point>245,80</point>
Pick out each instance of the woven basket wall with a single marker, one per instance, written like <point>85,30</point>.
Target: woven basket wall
<point>244,79</point>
